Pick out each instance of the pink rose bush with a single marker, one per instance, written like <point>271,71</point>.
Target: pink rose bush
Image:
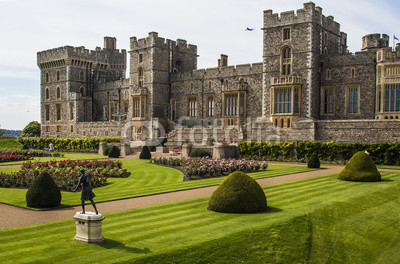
<point>208,167</point>
<point>65,173</point>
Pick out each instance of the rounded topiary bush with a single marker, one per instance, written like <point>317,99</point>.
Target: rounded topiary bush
<point>360,168</point>
<point>114,152</point>
<point>238,193</point>
<point>314,162</point>
<point>43,193</point>
<point>145,153</point>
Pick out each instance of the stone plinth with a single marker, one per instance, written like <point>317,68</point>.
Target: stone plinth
<point>186,149</point>
<point>162,150</point>
<point>125,149</point>
<point>102,146</point>
<point>88,227</point>
<point>219,150</point>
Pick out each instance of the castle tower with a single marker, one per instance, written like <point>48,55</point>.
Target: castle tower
<point>374,42</point>
<point>294,46</point>
<point>152,60</point>
<point>69,79</point>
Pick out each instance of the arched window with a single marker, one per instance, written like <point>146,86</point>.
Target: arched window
<point>286,61</point>
<point>288,122</point>
<point>47,77</point>
<point>173,109</point>
<point>47,94</point>
<point>58,93</point>
<point>82,91</point>
<point>140,77</point>
<point>82,76</point>
<point>276,123</point>
<point>282,122</point>
<point>58,75</point>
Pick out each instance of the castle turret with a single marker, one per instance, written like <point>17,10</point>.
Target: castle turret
<point>69,77</point>
<point>294,46</point>
<point>152,60</point>
<point>110,43</point>
<point>375,41</point>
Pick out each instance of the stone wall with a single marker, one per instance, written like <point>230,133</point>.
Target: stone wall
<point>216,81</point>
<point>85,130</point>
<point>341,76</point>
<point>365,131</point>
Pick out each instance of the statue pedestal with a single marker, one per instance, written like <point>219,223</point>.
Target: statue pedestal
<point>88,227</point>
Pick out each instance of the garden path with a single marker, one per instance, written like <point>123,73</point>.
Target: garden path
<point>11,216</point>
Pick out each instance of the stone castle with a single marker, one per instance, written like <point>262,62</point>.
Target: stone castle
<point>307,87</point>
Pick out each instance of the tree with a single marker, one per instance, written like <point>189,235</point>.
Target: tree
<point>2,132</point>
<point>31,130</point>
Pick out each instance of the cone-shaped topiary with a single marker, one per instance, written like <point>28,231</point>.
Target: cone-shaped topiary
<point>238,193</point>
<point>360,168</point>
<point>43,193</point>
<point>145,154</point>
<point>114,152</point>
<point>314,162</point>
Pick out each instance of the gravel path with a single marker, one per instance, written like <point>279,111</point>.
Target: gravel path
<point>11,216</point>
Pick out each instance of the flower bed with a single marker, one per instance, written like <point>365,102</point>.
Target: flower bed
<point>8,155</point>
<point>65,173</point>
<point>207,167</point>
<point>13,157</point>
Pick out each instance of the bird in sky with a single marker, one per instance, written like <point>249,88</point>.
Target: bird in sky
<point>249,29</point>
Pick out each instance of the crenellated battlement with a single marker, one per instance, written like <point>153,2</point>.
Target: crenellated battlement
<point>375,41</point>
<point>80,53</point>
<point>238,70</point>
<point>153,40</point>
<point>388,54</point>
<point>309,13</point>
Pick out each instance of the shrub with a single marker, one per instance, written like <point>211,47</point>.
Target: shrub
<point>114,152</point>
<point>314,162</point>
<point>66,143</point>
<point>145,153</point>
<point>238,193</point>
<point>152,148</point>
<point>200,153</point>
<point>43,192</point>
<point>25,147</point>
<point>106,150</point>
<point>360,168</point>
<point>65,173</point>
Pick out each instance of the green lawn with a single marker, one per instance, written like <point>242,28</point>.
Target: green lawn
<point>10,143</point>
<point>145,179</point>
<point>70,156</point>
<point>317,220</point>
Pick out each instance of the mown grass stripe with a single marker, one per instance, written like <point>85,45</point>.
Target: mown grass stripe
<point>187,222</point>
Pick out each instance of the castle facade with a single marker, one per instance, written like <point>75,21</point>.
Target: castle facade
<point>307,87</point>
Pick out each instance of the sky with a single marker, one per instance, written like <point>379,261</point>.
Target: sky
<point>216,27</point>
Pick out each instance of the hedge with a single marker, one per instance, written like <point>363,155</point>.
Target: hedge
<point>66,143</point>
<point>382,153</point>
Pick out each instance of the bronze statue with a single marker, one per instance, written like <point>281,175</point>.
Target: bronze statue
<point>87,194</point>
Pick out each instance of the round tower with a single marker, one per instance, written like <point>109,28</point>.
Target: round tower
<point>374,41</point>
